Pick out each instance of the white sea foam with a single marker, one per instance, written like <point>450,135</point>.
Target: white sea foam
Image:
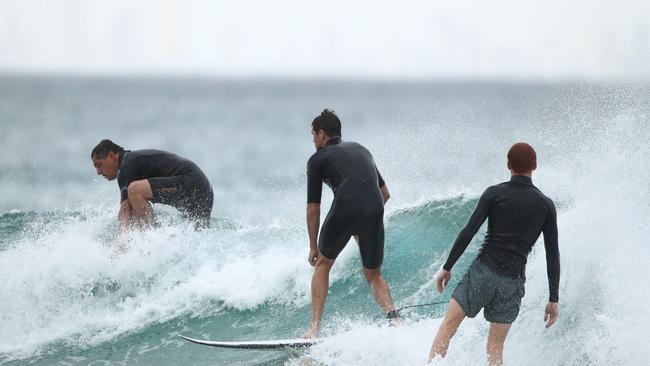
<point>69,284</point>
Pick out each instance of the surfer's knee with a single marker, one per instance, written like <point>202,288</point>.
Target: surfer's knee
<point>323,262</point>
<point>139,189</point>
<point>455,315</point>
<point>372,274</point>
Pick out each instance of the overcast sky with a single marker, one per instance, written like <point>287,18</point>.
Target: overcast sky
<point>532,39</point>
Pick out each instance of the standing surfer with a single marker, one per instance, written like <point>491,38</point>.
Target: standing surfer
<point>357,209</point>
<point>517,213</point>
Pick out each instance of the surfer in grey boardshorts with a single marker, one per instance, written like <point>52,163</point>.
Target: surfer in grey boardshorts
<point>517,213</point>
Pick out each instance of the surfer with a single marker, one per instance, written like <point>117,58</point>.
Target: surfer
<point>156,176</point>
<point>357,210</point>
<point>517,213</point>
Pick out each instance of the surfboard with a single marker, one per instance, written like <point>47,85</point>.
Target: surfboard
<point>270,344</point>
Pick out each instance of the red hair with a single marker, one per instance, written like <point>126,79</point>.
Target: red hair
<point>522,158</point>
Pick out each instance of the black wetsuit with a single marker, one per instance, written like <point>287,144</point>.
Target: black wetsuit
<point>358,206</point>
<point>517,214</point>
<point>174,181</point>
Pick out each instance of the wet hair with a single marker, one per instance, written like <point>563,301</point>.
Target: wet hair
<point>327,121</point>
<point>522,158</point>
<point>104,147</point>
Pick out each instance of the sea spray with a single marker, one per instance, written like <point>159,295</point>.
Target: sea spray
<point>68,297</point>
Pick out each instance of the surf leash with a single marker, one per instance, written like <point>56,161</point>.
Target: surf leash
<point>395,313</point>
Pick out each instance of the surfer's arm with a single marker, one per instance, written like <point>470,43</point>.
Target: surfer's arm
<point>314,192</point>
<point>465,236</point>
<point>313,223</point>
<point>314,180</point>
<point>124,216</point>
<point>382,186</point>
<point>384,193</point>
<point>552,253</point>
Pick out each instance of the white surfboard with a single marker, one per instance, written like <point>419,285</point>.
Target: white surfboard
<point>281,343</point>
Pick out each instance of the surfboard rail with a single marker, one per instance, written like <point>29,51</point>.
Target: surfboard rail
<point>267,344</point>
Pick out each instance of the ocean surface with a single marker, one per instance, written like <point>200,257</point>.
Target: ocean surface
<point>69,298</point>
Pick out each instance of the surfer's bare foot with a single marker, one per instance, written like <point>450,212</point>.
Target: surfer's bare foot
<point>311,333</point>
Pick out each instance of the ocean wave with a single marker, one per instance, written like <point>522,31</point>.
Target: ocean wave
<point>71,287</point>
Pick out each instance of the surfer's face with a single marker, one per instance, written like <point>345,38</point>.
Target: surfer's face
<point>320,138</point>
<point>107,167</point>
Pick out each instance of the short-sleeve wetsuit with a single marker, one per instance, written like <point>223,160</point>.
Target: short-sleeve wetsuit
<point>517,214</point>
<point>358,205</point>
<point>174,181</point>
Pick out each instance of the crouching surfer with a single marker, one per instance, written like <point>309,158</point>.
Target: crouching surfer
<point>156,176</point>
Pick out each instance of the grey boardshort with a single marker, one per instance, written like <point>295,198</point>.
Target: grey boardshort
<point>499,296</point>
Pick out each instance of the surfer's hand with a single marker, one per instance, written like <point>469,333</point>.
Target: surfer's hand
<point>313,255</point>
<point>442,279</point>
<point>550,313</point>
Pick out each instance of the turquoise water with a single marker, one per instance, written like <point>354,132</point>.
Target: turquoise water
<point>68,297</point>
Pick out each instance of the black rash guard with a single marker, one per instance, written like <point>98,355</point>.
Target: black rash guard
<point>142,164</point>
<point>517,214</point>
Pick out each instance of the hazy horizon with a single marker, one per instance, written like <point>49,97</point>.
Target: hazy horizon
<point>287,39</point>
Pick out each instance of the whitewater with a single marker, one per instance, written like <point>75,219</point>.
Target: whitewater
<point>70,298</point>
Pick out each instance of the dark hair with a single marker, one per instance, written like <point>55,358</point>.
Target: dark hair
<point>522,158</point>
<point>104,147</point>
<point>328,122</point>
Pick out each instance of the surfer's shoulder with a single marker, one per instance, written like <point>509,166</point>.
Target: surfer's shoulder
<point>315,159</point>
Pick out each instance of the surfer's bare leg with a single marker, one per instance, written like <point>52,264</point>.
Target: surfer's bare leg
<point>498,334</point>
<point>139,195</point>
<point>379,288</point>
<point>448,327</point>
<point>319,286</point>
